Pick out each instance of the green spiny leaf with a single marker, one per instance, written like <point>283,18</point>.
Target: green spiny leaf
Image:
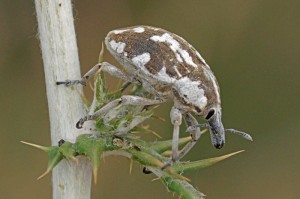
<point>54,156</point>
<point>93,146</point>
<point>67,149</point>
<point>182,188</point>
<point>161,146</point>
<point>182,167</point>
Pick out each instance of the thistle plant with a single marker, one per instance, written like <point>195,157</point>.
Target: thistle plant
<point>119,132</point>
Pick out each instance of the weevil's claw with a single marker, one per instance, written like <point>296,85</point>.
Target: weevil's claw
<point>60,142</point>
<point>80,123</point>
<point>146,171</point>
<point>66,83</point>
<point>71,82</point>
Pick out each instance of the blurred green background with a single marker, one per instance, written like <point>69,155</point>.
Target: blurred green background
<point>253,48</point>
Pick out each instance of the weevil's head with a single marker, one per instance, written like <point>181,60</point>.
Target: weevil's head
<point>213,115</point>
<point>203,99</point>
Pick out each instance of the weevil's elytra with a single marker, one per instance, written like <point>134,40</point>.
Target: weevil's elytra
<point>162,56</point>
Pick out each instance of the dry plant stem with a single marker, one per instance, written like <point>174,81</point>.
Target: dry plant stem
<point>60,57</point>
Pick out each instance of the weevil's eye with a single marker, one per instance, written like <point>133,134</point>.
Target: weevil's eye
<point>210,114</point>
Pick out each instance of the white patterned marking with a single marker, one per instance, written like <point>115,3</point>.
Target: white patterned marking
<point>117,46</point>
<point>139,29</point>
<point>191,91</point>
<point>175,47</point>
<point>177,71</point>
<point>141,60</point>
<point>119,31</point>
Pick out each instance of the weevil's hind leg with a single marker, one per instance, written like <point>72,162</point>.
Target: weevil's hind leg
<point>104,66</point>
<point>176,120</point>
<point>195,134</point>
<point>124,100</point>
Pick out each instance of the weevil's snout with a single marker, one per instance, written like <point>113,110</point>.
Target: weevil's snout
<point>217,131</point>
<point>219,145</point>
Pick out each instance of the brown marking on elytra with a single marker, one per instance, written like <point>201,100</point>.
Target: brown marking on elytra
<point>161,55</point>
<point>160,52</point>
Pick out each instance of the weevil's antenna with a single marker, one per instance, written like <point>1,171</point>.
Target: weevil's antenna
<point>193,127</point>
<point>240,133</point>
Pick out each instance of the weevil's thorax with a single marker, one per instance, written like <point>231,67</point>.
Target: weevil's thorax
<point>166,65</point>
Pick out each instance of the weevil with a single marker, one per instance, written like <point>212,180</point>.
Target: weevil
<point>170,68</point>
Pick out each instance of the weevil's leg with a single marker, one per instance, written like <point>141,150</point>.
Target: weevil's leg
<point>124,100</point>
<point>176,120</point>
<point>98,113</point>
<point>195,134</point>
<point>114,71</point>
<point>125,85</point>
<point>84,79</point>
<point>104,66</point>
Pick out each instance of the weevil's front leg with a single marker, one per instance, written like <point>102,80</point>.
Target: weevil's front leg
<point>195,134</point>
<point>124,100</point>
<point>115,72</point>
<point>176,120</point>
<point>84,79</point>
<point>104,66</point>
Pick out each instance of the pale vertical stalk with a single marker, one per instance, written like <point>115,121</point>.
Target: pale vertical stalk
<point>60,57</point>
